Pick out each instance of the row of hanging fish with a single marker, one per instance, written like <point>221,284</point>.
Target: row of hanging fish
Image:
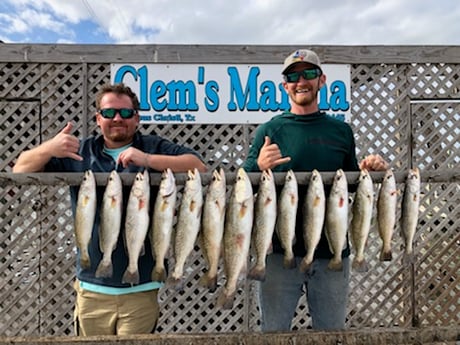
<point>230,229</point>
<point>387,203</point>
<point>136,222</point>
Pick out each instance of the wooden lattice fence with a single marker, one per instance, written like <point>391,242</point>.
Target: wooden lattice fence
<point>405,106</point>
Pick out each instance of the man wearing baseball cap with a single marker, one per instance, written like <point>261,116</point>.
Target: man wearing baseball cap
<point>303,139</point>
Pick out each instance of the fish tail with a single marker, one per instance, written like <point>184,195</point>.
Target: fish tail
<point>335,264</point>
<point>305,264</point>
<point>257,273</point>
<point>104,270</point>
<point>359,265</point>
<point>85,261</point>
<point>209,281</point>
<point>289,262</point>
<point>386,255</point>
<point>408,258</point>
<point>159,274</point>
<point>225,300</point>
<point>175,283</point>
<point>130,277</point>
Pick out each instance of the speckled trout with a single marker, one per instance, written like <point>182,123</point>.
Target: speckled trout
<point>136,225</point>
<point>265,208</point>
<point>314,213</point>
<point>212,227</point>
<point>361,219</point>
<point>162,223</point>
<point>187,227</point>
<point>84,217</point>
<point>286,219</point>
<point>409,213</point>
<point>337,219</point>
<point>110,223</point>
<point>237,237</point>
<point>386,213</point>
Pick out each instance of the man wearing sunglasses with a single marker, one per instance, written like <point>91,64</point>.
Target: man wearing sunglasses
<point>105,305</point>
<point>303,139</point>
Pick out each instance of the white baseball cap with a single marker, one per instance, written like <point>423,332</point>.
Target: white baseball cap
<point>301,55</point>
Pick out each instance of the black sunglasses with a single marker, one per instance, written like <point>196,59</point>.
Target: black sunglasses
<point>307,74</point>
<point>109,113</point>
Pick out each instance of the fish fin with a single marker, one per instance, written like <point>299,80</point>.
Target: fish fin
<point>141,203</point>
<point>243,209</point>
<point>192,205</point>
<point>268,201</point>
<point>316,201</point>
<point>329,241</point>
<point>270,248</point>
<point>164,205</point>
<point>101,241</point>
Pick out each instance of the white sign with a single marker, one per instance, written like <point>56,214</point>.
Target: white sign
<point>223,93</point>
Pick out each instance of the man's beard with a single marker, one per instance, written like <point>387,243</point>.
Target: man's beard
<point>119,136</point>
<point>304,100</point>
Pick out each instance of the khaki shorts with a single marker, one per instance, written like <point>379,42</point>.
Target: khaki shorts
<point>100,314</point>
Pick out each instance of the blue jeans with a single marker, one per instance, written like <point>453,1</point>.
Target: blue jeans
<point>327,294</point>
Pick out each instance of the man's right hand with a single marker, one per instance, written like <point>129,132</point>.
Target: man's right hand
<point>65,144</point>
<point>270,156</point>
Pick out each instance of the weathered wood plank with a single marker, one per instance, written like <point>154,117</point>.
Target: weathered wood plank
<point>169,53</point>
<point>432,335</point>
<point>72,179</point>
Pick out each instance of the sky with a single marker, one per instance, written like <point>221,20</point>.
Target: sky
<point>271,22</point>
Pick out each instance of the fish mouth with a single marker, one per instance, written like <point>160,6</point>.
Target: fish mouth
<point>267,174</point>
<point>216,175</point>
<point>190,175</point>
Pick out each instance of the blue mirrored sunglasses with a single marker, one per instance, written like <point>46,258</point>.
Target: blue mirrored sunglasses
<point>109,113</point>
<point>307,74</point>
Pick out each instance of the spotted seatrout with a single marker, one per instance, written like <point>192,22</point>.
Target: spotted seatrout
<point>187,227</point>
<point>314,213</point>
<point>212,227</point>
<point>136,225</point>
<point>386,213</point>
<point>109,227</point>
<point>162,223</point>
<point>237,236</point>
<point>337,219</point>
<point>84,217</point>
<point>409,213</point>
<point>361,219</point>
<point>286,219</point>
<point>264,223</point>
